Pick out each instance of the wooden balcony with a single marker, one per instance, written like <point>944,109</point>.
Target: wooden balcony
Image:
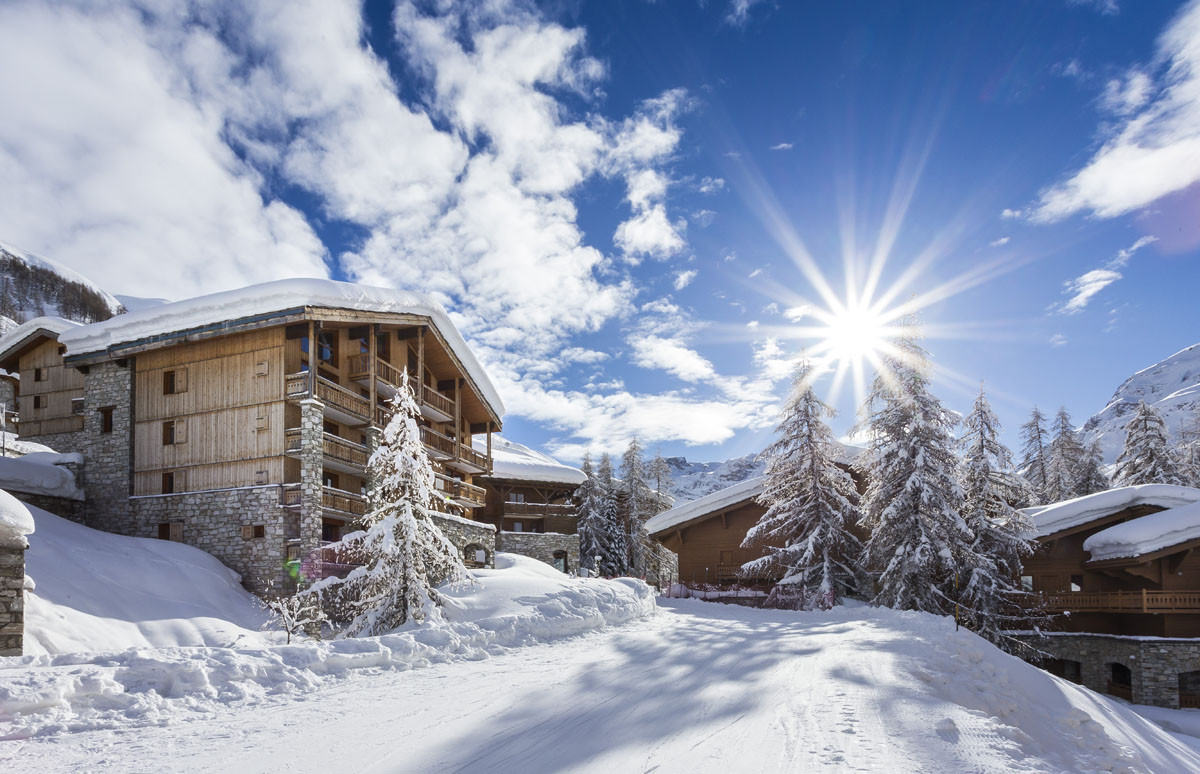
<point>460,492</point>
<point>434,405</point>
<point>339,454</point>
<point>341,404</point>
<point>343,503</point>
<point>1144,601</point>
<point>440,447</point>
<point>468,460</point>
<point>537,510</point>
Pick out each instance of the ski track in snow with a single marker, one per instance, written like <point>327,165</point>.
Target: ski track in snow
<point>700,686</point>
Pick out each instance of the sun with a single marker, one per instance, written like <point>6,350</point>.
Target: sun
<point>854,333</point>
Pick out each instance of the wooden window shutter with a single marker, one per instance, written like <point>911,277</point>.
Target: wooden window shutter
<point>262,477</point>
<point>262,422</point>
<point>262,368</point>
<point>247,532</point>
<point>177,531</point>
<point>181,431</point>
<point>181,380</point>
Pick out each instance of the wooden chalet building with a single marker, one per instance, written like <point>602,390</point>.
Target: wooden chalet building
<point>530,502</point>
<point>241,422</point>
<point>1121,572</point>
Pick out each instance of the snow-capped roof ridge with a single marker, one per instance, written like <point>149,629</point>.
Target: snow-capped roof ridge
<point>512,460</point>
<point>271,297</point>
<point>56,325</point>
<point>723,498</point>
<point>1147,534</point>
<point>1068,514</point>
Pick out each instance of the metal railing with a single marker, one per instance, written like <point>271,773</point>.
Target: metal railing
<point>1143,601</point>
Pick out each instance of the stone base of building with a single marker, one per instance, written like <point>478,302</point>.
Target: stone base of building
<point>12,596</point>
<point>63,443</point>
<point>470,538</point>
<point>1159,670</point>
<point>247,529</point>
<point>555,549</point>
<point>72,510</point>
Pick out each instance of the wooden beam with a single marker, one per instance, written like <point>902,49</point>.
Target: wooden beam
<point>419,391</point>
<point>371,353</point>
<point>1174,562</point>
<point>457,418</point>
<point>724,520</point>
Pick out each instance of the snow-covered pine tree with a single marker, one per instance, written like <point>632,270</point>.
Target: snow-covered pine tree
<point>1147,457</point>
<point>1034,462</point>
<point>658,472</point>
<point>1091,475</point>
<point>593,531</point>
<point>401,553</point>
<point>1066,460</point>
<point>811,505</point>
<point>637,501</point>
<point>616,561</point>
<point>913,503</point>
<point>991,599</point>
<point>1188,451</point>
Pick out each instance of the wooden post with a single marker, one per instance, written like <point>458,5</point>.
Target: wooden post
<point>457,419</point>
<point>1143,600</point>
<point>312,358</point>
<point>489,446</point>
<point>371,370</point>
<point>419,392</point>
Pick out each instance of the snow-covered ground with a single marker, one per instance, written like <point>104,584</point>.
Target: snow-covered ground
<point>700,686</point>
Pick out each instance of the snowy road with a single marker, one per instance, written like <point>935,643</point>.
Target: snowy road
<point>699,686</point>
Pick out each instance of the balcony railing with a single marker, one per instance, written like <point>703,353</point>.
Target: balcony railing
<point>538,509</point>
<point>343,501</point>
<point>437,400</point>
<point>1144,601</point>
<point>331,394</point>
<point>468,494</point>
<point>340,449</point>
<point>359,366</point>
<point>472,457</point>
<point>436,441</point>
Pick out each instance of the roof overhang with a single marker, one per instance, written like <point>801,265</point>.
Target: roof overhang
<point>11,355</point>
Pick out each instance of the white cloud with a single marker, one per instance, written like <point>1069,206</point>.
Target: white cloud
<point>782,146</point>
<point>1058,340</point>
<point>711,185</point>
<point>1084,287</point>
<point>650,233</point>
<point>1125,95</point>
<point>703,218</point>
<point>1155,149</point>
<point>999,242</point>
<point>1008,214</point>
<point>684,278</point>
<point>739,11</point>
<point>583,355</point>
<point>754,273</point>
<point>797,313</point>
<point>672,356</point>
<point>1106,7</point>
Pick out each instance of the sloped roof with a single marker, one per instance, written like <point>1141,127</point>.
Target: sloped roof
<point>1146,534</point>
<point>710,503</point>
<point>273,297</point>
<point>1056,517</point>
<point>517,462</point>
<point>27,333</point>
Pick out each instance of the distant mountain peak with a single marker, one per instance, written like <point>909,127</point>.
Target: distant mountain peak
<point>33,286</point>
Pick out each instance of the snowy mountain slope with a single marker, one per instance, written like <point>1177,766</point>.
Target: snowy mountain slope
<point>699,687</point>
<point>693,480</point>
<point>32,286</point>
<point>1172,386</point>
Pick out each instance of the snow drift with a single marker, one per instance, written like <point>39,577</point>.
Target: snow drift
<point>41,472</point>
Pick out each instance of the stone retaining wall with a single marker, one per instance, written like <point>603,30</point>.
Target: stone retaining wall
<point>63,443</point>
<point>541,546</point>
<point>12,594</point>
<point>72,510</point>
<point>222,523</point>
<point>464,533</point>
<point>1154,663</point>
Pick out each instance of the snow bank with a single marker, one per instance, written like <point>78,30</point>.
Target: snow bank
<point>1068,514</point>
<point>511,460</point>
<point>97,591</point>
<point>12,444</point>
<point>744,490</point>
<point>15,519</point>
<point>1146,534</point>
<point>269,297</point>
<point>41,473</point>
<point>525,602</point>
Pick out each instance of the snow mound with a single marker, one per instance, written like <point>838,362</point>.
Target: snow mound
<point>97,591</point>
<point>1056,517</point>
<point>1146,534</point>
<point>511,460</point>
<point>41,473</point>
<point>15,519</point>
<point>526,602</point>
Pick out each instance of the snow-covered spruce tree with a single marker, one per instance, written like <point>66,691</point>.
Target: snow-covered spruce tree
<point>638,506</point>
<point>616,560</point>
<point>1188,451</point>
<point>1147,457</point>
<point>991,599</point>
<point>811,505</point>
<point>1091,475</point>
<point>913,503</point>
<point>1066,460</point>
<point>593,531</point>
<point>1034,455</point>
<point>401,553</point>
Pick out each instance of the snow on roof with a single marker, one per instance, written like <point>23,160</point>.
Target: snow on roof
<point>1146,534</point>
<point>277,296</point>
<point>518,462</point>
<point>710,503</point>
<point>1068,514</point>
<point>15,337</point>
<point>41,473</point>
<point>15,519</point>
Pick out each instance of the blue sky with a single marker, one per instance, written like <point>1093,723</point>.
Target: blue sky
<point>616,200</point>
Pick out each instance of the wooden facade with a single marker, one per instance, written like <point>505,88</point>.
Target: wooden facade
<point>50,398</point>
<point>710,548</point>
<point>529,506</point>
<point>1155,594</point>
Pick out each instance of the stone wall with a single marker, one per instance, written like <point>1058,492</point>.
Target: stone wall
<point>63,443</point>
<point>1155,663</point>
<point>12,594</point>
<point>214,521</point>
<point>464,532</point>
<point>541,546</point>
<point>107,480</point>
<point>72,510</point>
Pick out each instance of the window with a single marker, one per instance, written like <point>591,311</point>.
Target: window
<point>171,530</point>
<point>327,347</point>
<point>39,401</point>
<point>254,531</point>
<point>168,432</point>
<point>518,527</point>
<point>1076,583</point>
<point>106,419</point>
<point>174,381</point>
<point>560,561</point>
<point>330,532</point>
<point>383,347</point>
<point>41,374</point>
<point>172,482</point>
<point>515,497</point>
<point>329,479</point>
<point>77,406</point>
<point>1027,582</point>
